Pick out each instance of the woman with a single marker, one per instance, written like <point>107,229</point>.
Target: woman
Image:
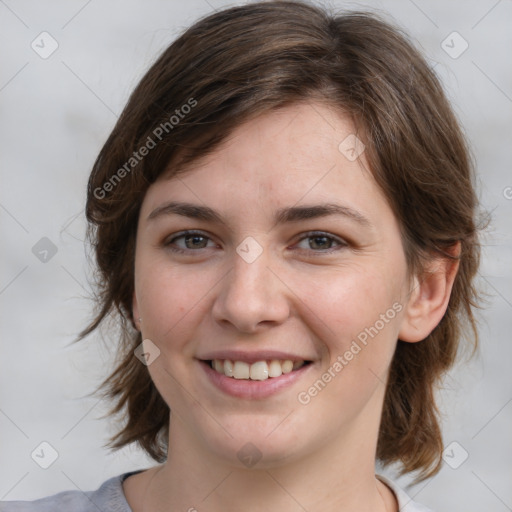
<point>284,222</point>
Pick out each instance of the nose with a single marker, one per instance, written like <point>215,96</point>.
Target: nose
<point>252,295</point>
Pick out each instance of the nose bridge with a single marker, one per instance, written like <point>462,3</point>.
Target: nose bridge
<point>251,293</point>
<point>250,266</point>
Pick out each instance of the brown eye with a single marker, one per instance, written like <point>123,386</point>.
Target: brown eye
<point>322,242</point>
<point>190,241</point>
<point>194,241</point>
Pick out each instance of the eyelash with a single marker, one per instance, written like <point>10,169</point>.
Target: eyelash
<point>310,234</point>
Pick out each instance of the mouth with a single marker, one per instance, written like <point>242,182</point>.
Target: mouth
<point>259,370</point>
<point>258,380</point>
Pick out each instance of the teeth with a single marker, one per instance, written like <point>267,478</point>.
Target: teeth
<point>260,370</point>
<point>241,370</point>
<point>287,366</point>
<point>274,369</point>
<point>228,368</point>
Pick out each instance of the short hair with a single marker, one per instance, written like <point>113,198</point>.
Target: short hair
<point>244,61</point>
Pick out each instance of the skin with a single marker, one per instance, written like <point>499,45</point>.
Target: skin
<point>305,295</point>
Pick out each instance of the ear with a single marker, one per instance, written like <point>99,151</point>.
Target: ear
<point>135,312</point>
<point>429,297</point>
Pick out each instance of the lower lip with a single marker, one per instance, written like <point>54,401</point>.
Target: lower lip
<point>245,388</point>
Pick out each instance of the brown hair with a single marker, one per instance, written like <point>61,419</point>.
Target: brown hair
<point>241,62</point>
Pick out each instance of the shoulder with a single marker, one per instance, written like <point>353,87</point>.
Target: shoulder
<point>109,497</point>
<point>405,503</point>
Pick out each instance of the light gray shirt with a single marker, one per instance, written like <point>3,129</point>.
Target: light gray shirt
<point>109,497</point>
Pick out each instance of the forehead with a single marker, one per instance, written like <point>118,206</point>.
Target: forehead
<point>301,153</point>
<point>289,137</point>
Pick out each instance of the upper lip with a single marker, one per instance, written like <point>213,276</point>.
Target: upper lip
<point>252,357</point>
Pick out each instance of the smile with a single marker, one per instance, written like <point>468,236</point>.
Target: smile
<point>260,370</point>
<point>256,379</point>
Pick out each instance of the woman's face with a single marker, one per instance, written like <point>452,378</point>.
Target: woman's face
<point>266,277</point>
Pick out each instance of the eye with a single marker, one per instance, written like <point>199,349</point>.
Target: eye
<point>322,242</point>
<point>192,240</point>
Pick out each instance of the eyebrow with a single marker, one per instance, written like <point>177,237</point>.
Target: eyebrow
<point>282,216</point>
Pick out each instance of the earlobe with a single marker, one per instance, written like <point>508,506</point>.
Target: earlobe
<point>429,297</point>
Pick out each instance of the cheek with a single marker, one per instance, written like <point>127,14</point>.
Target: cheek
<point>167,299</point>
<point>351,300</point>
<point>355,314</point>
<point>169,303</point>
<point>359,330</point>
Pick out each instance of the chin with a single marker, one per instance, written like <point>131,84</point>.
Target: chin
<point>258,443</point>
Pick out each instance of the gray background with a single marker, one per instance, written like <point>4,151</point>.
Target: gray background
<point>55,115</point>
